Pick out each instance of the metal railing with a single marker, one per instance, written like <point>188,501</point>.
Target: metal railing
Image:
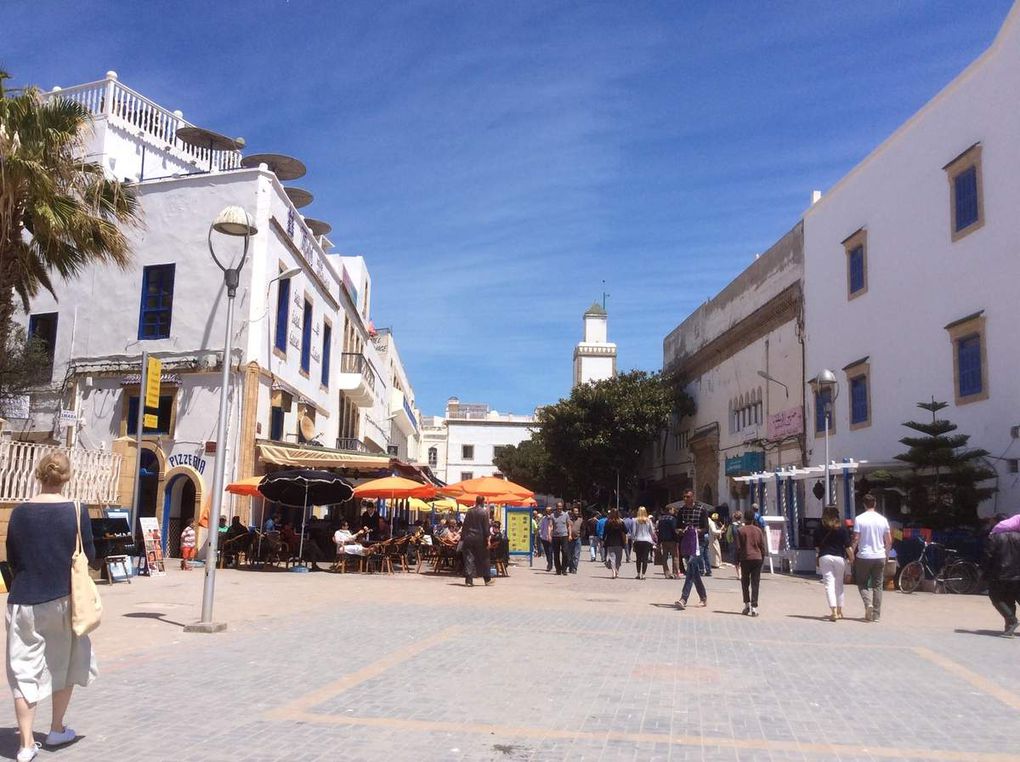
<point>350,444</point>
<point>354,362</point>
<point>109,97</point>
<point>94,474</point>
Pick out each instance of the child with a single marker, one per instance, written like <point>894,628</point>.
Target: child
<point>187,545</point>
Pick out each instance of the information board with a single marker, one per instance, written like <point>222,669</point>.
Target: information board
<point>153,373</point>
<point>153,546</point>
<point>518,531</point>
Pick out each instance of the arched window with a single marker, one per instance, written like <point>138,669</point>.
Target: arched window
<point>433,456</point>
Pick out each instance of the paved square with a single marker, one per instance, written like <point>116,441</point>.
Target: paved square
<point>538,667</point>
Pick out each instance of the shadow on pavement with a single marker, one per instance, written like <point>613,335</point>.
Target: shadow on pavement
<point>152,615</point>
<point>987,633</point>
<point>10,742</point>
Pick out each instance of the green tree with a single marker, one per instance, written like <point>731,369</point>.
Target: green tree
<point>943,486</point>
<point>602,429</point>
<point>59,212</point>
<point>24,365</point>
<point>528,464</point>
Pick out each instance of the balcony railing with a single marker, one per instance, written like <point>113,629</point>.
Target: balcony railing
<point>351,444</point>
<point>354,362</point>
<point>94,474</point>
<point>109,97</point>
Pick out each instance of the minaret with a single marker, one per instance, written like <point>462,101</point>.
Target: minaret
<point>595,355</point>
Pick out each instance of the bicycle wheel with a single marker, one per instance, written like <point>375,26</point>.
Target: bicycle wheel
<point>911,576</point>
<point>962,577</point>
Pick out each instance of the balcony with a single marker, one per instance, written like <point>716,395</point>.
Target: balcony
<point>356,379</point>
<point>402,413</point>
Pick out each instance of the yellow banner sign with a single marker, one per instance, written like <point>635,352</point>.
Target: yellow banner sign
<point>518,531</point>
<point>153,372</point>
<point>150,421</point>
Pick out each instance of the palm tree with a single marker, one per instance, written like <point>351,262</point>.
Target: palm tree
<point>59,212</point>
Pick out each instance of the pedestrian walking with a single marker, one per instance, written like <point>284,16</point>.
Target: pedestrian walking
<point>734,529</point>
<point>691,525</point>
<point>1001,564</point>
<point>600,529</point>
<point>668,549</point>
<point>751,555</point>
<point>576,530</point>
<point>593,539</point>
<point>474,538</point>
<point>643,538</point>
<point>715,531</point>
<point>615,539</point>
<point>873,541</point>
<point>561,538</point>
<point>545,535</point>
<point>628,522</point>
<point>44,656</point>
<point>188,545</point>
<point>833,552</point>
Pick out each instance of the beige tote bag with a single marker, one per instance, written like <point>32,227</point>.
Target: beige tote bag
<point>86,608</point>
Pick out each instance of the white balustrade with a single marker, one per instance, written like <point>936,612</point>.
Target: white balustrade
<point>94,480</point>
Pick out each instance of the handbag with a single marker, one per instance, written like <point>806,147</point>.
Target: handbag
<point>848,573</point>
<point>86,607</point>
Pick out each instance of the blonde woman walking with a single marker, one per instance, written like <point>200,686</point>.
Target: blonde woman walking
<point>644,539</point>
<point>44,657</point>
<point>832,543</point>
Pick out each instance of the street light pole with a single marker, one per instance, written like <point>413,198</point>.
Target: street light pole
<point>826,380</point>
<point>232,221</point>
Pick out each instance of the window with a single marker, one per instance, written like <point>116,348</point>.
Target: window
<point>823,400</point>
<point>433,456</point>
<point>465,475</point>
<point>282,313</point>
<point>393,450</point>
<point>164,417</point>
<point>157,302</point>
<point>276,418</point>
<point>856,248</point>
<point>750,413</point>
<point>680,439</point>
<point>966,206</point>
<point>306,338</point>
<point>43,328</point>
<point>327,341</point>
<point>858,400</point>
<point>467,452</point>
<point>498,450</point>
<point>970,362</point>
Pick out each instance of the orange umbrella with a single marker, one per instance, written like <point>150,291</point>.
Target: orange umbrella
<point>394,487</point>
<point>487,486</point>
<point>249,486</point>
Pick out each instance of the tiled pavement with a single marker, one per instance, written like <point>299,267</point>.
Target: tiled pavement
<point>324,667</point>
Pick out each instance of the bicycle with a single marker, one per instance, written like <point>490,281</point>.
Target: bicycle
<point>954,575</point>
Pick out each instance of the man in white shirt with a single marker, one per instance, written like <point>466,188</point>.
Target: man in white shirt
<point>873,540</point>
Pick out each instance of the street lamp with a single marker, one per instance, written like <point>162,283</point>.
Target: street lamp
<point>232,221</point>
<point>827,380</point>
<point>767,377</point>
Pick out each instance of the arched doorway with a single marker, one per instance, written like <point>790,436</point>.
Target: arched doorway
<point>180,505</point>
<point>148,475</point>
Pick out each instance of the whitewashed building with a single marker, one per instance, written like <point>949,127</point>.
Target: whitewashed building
<point>595,354</point>
<point>309,386</point>
<point>741,356</point>
<point>464,442</point>
<point>911,273</point>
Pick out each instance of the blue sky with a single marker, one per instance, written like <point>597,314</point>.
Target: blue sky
<point>496,161</point>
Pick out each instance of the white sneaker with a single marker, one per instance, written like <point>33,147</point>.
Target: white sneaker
<point>28,753</point>
<point>59,739</point>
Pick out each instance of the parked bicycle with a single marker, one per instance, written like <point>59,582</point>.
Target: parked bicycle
<point>952,575</point>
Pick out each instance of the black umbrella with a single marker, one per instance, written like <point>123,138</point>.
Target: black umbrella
<point>303,487</point>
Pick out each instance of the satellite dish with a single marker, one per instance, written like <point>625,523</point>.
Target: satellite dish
<point>307,426</point>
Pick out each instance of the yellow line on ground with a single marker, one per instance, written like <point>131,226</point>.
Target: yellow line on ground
<point>983,684</point>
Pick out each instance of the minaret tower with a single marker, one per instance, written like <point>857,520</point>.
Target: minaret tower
<point>595,355</point>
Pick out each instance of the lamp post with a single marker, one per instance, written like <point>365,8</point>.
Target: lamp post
<point>232,221</point>
<point>826,379</point>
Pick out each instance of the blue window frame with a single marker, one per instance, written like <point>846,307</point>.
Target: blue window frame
<point>282,313</point>
<point>276,424</point>
<point>157,302</point>
<point>43,328</point>
<point>327,341</point>
<point>968,363</point>
<point>859,399</point>
<point>306,338</point>
<point>166,406</point>
<point>822,399</point>
<point>855,261</point>
<point>965,186</point>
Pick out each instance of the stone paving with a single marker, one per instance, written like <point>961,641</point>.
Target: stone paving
<point>538,667</point>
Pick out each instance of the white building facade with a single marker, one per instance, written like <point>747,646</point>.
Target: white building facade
<point>595,355</point>
<point>308,384</point>
<point>911,273</point>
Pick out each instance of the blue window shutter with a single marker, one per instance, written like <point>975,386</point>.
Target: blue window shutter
<point>822,399</point>
<point>859,399</point>
<point>968,362</point>
<point>282,313</point>
<point>966,190</point>
<point>276,424</point>
<point>856,265</point>
<point>306,338</point>
<point>327,341</point>
<point>156,312</point>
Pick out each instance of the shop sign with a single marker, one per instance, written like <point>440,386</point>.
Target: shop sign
<point>786,423</point>
<point>518,530</point>
<point>748,463</point>
<point>197,462</point>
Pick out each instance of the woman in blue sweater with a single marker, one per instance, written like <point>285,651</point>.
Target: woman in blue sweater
<point>44,657</point>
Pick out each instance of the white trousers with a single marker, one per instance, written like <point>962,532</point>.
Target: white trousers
<point>832,568</point>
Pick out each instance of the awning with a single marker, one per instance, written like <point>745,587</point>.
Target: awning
<point>319,457</point>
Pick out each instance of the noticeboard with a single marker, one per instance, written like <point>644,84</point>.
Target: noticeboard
<point>153,374</point>
<point>153,546</point>
<point>518,531</point>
